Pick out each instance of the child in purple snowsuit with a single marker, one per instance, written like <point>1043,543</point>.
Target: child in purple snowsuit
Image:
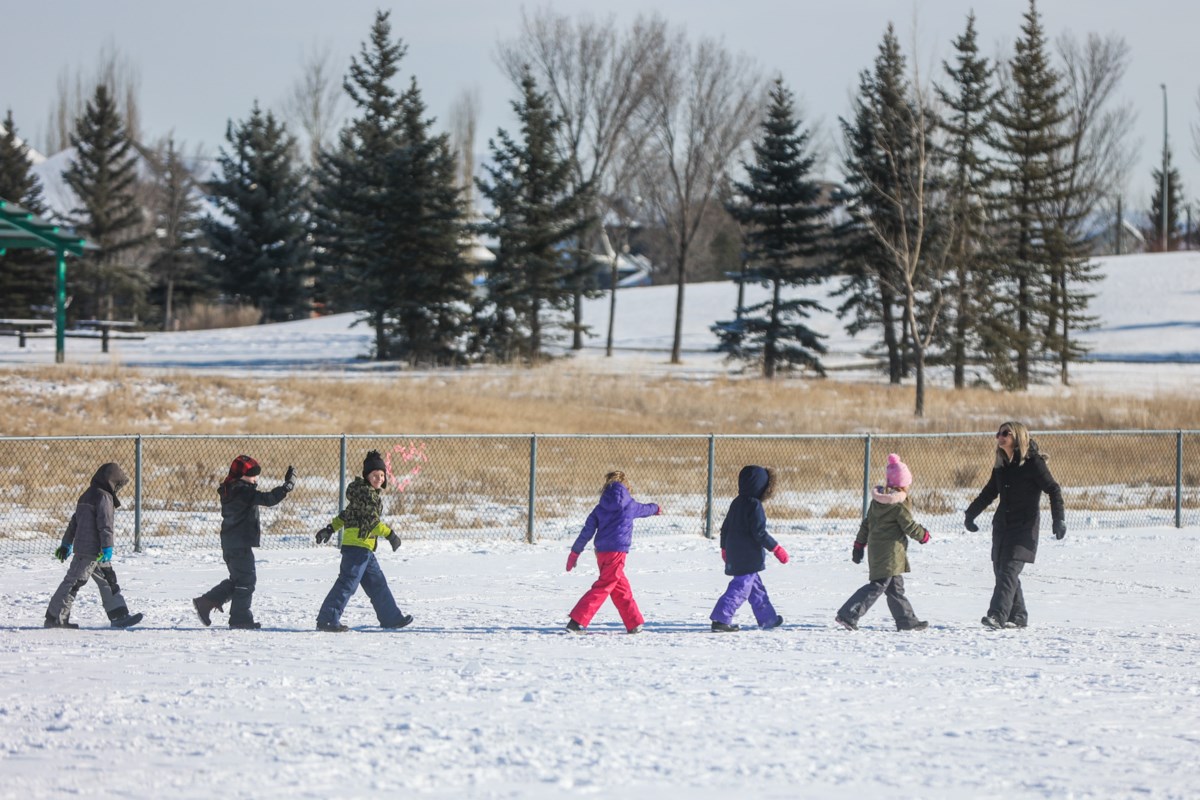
<point>611,522</point>
<point>744,542</point>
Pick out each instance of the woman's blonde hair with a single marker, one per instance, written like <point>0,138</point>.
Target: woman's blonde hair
<point>1020,436</point>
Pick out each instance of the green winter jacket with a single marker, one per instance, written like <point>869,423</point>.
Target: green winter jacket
<point>359,523</point>
<point>885,531</point>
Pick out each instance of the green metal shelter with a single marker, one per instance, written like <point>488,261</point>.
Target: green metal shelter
<point>21,229</point>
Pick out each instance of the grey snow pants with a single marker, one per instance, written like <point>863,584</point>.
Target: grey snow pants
<point>861,601</point>
<point>84,567</point>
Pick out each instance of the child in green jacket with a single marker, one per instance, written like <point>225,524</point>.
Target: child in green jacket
<point>884,534</point>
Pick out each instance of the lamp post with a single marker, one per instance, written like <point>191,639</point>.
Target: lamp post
<point>1166,244</point>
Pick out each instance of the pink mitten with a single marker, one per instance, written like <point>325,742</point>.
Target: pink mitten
<point>571,559</point>
<point>780,553</point>
<point>723,558</point>
<point>658,510</point>
<point>924,538</point>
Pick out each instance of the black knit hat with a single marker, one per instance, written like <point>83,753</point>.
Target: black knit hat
<point>372,462</point>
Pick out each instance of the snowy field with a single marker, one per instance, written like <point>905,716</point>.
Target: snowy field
<point>485,696</point>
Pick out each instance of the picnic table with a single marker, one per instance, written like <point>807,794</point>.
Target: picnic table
<point>22,328</point>
<point>106,326</point>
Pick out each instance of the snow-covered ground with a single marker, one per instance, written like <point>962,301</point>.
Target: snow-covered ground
<point>1147,336</point>
<point>486,696</point>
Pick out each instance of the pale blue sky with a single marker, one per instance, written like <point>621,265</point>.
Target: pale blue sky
<point>202,63</point>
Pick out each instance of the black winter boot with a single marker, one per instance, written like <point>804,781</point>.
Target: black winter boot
<point>52,622</point>
<point>722,627</point>
<point>204,608</point>
<point>332,627</point>
<point>405,619</point>
<point>245,626</point>
<point>127,621</point>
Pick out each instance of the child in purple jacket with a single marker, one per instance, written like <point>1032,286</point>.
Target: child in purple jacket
<point>611,522</point>
<point>744,542</point>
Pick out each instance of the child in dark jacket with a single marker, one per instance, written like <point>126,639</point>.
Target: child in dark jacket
<point>90,535</point>
<point>744,543</point>
<point>884,534</point>
<point>361,528</point>
<point>611,522</point>
<point>241,531</point>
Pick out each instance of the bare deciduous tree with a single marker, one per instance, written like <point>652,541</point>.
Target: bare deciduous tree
<point>464,125</point>
<point>597,77</point>
<point>313,105</point>
<point>704,103</point>
<point>72,93</point>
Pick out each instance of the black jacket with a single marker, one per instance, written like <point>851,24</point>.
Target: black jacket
<point>239,512</point>
<point>744,536</point>
<point>1015,523</point>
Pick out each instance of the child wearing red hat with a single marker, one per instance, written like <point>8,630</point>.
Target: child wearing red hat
<point>241,531</point>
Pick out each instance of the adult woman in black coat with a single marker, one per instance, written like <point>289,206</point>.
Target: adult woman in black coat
<point>1019,478</point>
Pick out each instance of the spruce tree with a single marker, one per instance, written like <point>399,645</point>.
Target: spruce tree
<point>351,215</point>
<point>871,284</point>
<point>176,267</point>
<point>258,247</point>
<point>785,225</point>
<point>1031,172</point>
<point>967,123</point>
<point>535,214</point>
<point>26,276</point>
<point>1175,194</point>
<point>104,176</point>
<point>431,286</point>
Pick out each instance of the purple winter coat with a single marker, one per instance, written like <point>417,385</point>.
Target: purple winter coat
<point>611,521</point>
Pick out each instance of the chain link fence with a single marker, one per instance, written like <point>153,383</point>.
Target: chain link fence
<point>526,488</point>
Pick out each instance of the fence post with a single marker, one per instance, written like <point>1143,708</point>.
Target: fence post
<point>866,495</point>
<point>137,494</point>
<point>1179,479</point>
<point>532,485</point>
<point>708,504</point>
<point>342,478</point>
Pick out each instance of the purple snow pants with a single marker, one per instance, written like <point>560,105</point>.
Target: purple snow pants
<point>741,588</point>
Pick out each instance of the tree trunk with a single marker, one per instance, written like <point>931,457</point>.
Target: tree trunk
<point>677,342</point>
<point>612,308</point>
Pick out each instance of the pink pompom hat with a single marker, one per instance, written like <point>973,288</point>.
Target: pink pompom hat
<point>898,474</point>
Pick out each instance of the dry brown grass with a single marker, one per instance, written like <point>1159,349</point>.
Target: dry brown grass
<point>559,398</point>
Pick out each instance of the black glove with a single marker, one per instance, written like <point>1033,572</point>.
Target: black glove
<point>62,552</point>
<point>857,554</point>
<point>289,478</point>
<point>969,524</point>
<point>394,541</point>
<point>1060,528</point>
<point>324,534</point>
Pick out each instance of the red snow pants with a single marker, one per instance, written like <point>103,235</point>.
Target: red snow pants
<point>612,582</point>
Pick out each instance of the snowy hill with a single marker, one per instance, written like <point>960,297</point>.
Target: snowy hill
<point>1147,308</point>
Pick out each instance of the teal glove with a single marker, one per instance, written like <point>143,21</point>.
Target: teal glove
<point>105,555</point>
<point>63,552</point>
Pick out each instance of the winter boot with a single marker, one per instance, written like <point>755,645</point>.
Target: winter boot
<point>245,626</point>
<point>574,627</point>
<point>127,621</point>
<point>775,623</point>
<point>845,623</point>
<point>635,629</point>
<point>52,622</point>
<point>332,627</point>
<point>992,622</point>
<point>919,625</point>
<point>723,627</point>
<point>1017,622</point>
<point>204,608</point>
<point>405,619</point>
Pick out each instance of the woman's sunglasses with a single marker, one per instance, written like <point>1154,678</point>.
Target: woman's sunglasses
<point>1003,434</point>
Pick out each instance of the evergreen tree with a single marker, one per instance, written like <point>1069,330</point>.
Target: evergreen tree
<point>431,285</point>
<point>785,227</point>
<point>26,276</point>
<point>535,213</point>
<point>258,247</point>
<point>105,179</point>
<point>1153,227</point>
<point>351,214</point>
<point>967,124</point>
<point>1031,170</point>
<point>876,134</point>
<point>176,267</point>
